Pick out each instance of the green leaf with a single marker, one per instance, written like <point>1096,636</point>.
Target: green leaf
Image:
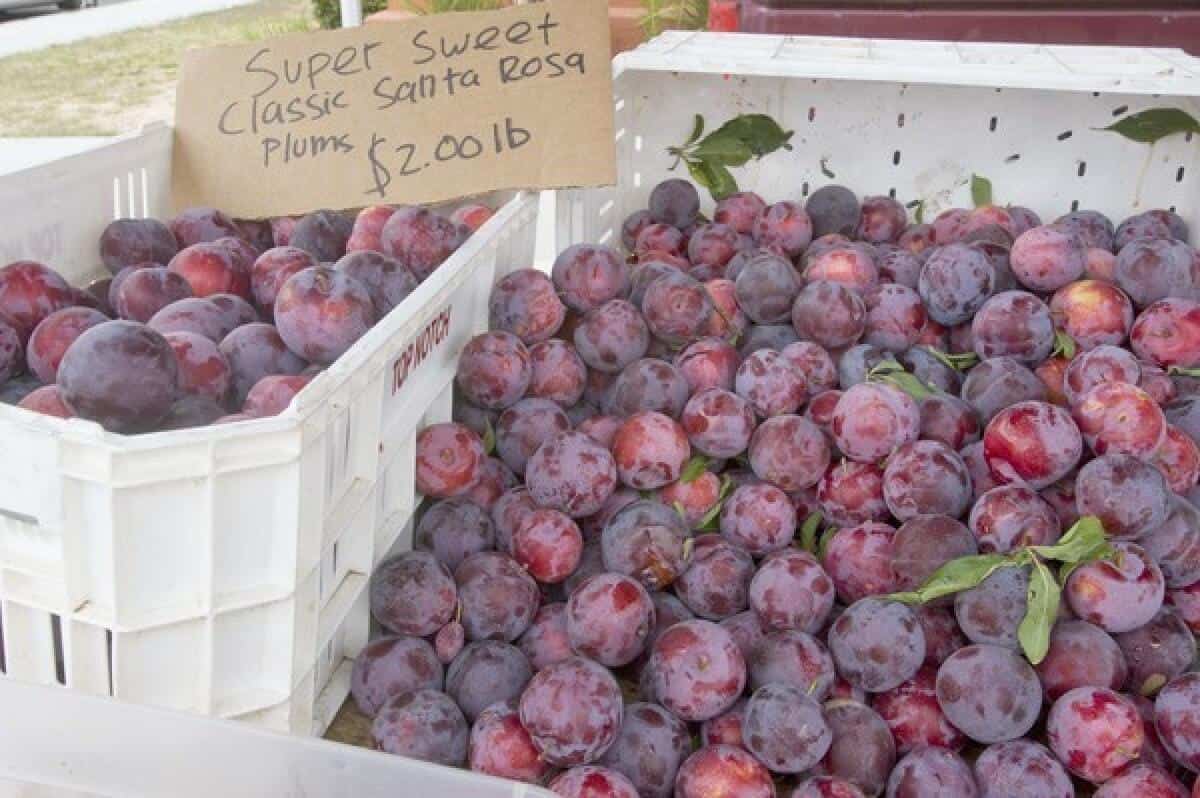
<point>909,383</point>
<point>808,533</point>
<point>1181,371</point>
<point>697,131</point>
<point>955,577</point>
<point>960,362</point>
<point>761,133</point>
<point>1153,684</point>
<point>918,209</point>
<point>883,367</point>
<point>981,191</point>
<point>726,487</point>
<point>1084,541</point>
<point>1064,345</point>
<point>489,437</point>
<point>1041,610</point>
<point>714,177</point>
<point>1156,123</point>
<point>680,509</point>
<point>710,519</point>
<point>823,544</point>
<point>693,468</point>
<point>723,148</point>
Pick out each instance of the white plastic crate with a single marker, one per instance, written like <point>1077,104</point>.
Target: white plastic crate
<point>58,744</point>
<point>219,570</point>
<point>910,119</point>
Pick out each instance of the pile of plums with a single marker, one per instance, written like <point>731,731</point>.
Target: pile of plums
<point>206,319</point>
<point>683,484</point>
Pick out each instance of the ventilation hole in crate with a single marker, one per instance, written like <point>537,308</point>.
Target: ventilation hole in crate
<point>1187,136</point>
<point>896,158</point>
<point>1172,209</point>
<point>1074,205</point>
<point>1179,175</point>
<point>812,113</point>
<point>992,124</point>
<point>3,659</point>
<point>333,557</point>
<point>900,120</point>
<point>1082,170</point>
<point>892,193</point>
<point>1016,156</point>
<point>60,664</point>
<point>1095,94</point>
<point>804,189</point>
<point>117,198</point>
<point>112,663</point>
<point>1120,109</point>
<point>1066,134</point>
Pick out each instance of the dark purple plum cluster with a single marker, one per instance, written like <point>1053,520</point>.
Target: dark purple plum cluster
<point>684,481</point>
<point>209,320</point>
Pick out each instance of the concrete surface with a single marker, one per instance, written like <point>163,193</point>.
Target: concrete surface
<point>44,30</point>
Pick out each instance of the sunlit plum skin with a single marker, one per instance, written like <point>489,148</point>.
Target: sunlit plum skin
<point>145,292</point>
<point>923,544</point>
<point>420,239</point>
<point>255,351</point>
<point>413,594</point>
<point>548,545</point>
<point>46,400</point>
<point>1148,270</point>
<point>649,749</point>
<point>557,373</point>
<point>1032,442</point>
<point>612,336</point>
<point>1104,364</point>
<point>1013,324</point>
<point>271,395</point>
<point>203,370</point>
<point>851,493</point>
<point>826,787</point>
<point>727,319</point>
<point>659,238</point>
<point>785,729</point>
<point>784,227</point>
<point>1167,333</point>
<point>500,746</point>
<point>1157,382</point>
<point>1093,313</point>
<point>367,231</point>
<point>759,518</point>
<point>588,276</point>
<point>790,452</point>
<point>120,374</point>
<point>282,228</point>
<point>791,591</point>
<point>913,715</point>
<point>272,269</point>
<point>647,384</point>
<point>593,525</point>
<point>863,750</point>
<point>1153,751</point>
<point>815,364</point>
<point>592,781</point>
<point>609,618</point>
<point>1053,374</point>
<point>1142,781</point>
<point>196,225</point>
<point>926,477</point>
<point>386,279</point>
<point>708,363</point>
<point>820,412</point>
<point>391,666</point>
<point>423,724</point>
<point>826,243</point>
<point>725,729</point>
<point>545,642</point>
<point>51,339</point>
<point>498,597</point>
<point>646,540</point>
<point>883,219</point>
<point>716,583</point>
<point>711,246</point>
<point>1010,516</point>
<point>193,315</point>
<point>525,304</point>
<point>989,693</point>
<point>675,202</point>
<point>484,673</point>
<point>454,529</point>
<point>1119,418</point>
<point>898,265</point>
<point>1176,716</point>
<point>602,429</point>
<point>320,313</point>
<point>650,450</point>
<point>1157,652</point>
<point>949,420</point>
<point>718,423</point>
<point>448,461</point>
<point>996,384</point>
<point>1175,544</point>
<point>212,268</point>
<point>676,308</point>
<point>494,479</point>
<point>696,670</point>
<point>1118,595</point>
<point>895,317</point>
<point>1047,258</point>
<point>769,384</point>
<point>1021,769</point>
<point>871,420</point>
<point>494,370</point>
<point>990,612</point>
<point>723,770</point>
<point>955,282</point>
<point>830,314</point>
<point>739,211</point>
<point>877,644</point>
<point>524,427</point>
<point>1095,732</point>
<point>1092,228</point>
<point>126,242</point>
<point>1129,496</point>
<point>917,239</point>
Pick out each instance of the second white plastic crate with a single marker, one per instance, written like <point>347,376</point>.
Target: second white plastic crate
<point>220,570</point>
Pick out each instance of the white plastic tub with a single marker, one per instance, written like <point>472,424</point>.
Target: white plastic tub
<point>219,570</point>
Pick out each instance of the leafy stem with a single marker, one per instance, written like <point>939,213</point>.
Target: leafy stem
<point>710,157</point>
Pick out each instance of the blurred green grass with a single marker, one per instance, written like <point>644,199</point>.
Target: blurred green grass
<point>115,84</point>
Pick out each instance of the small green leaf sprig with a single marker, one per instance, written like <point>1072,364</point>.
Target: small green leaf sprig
<point>1084,542</point>
<point>709,158</point>
<point>1153,124</point>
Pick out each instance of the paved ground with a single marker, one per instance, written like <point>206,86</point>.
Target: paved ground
<point>48,8</point>
<point>33,32</point>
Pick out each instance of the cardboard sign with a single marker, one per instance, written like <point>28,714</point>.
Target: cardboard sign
<point>444,106</point>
